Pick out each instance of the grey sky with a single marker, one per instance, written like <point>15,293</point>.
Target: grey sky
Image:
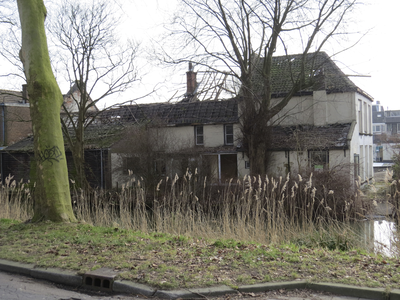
<point>375,55</point>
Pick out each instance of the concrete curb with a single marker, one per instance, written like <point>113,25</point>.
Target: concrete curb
<point>129,287</point>
<point>195,293</point>
<point>54,275</point>
<point>72,279</point>
<point>350,291</point>
<point>262,287</point>
<point>395,294</point>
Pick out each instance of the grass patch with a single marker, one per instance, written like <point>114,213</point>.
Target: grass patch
<point>168,261</point>
<point>257,230</point>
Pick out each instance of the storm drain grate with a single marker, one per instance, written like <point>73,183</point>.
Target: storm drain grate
<point>100,279</point>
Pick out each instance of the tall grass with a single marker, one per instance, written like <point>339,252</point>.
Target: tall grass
<point>15,200</point>
<point>258,209</point>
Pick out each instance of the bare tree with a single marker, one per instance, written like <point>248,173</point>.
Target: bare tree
<point>243,35</point>
<point>10,42</point>
<point>6,12</point>
<point>52,196</point>
<point>95,62</point>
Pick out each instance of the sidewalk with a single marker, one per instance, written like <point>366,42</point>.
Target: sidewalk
<point>104,280</point>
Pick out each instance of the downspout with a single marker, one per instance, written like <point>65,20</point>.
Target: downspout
<point>3,115</point>
<point>348,140</point>
<point>288,161</point>
<point>350,134</point>
<point>101,169</point>
<point>219,168</point>
<point>1,162</point>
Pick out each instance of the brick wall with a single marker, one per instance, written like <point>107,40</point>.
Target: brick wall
<point>17,124</point>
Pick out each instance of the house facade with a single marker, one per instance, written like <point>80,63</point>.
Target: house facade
<point>386,131</point>
<point>202,135</point>
<point>326,127</point>
<point>16,140</point>
<point>15,120</point>
<point>317,142</point>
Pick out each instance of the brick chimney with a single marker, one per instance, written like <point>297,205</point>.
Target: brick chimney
<point>191,83</point>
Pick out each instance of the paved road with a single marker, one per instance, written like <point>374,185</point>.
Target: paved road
<point>17,287</point>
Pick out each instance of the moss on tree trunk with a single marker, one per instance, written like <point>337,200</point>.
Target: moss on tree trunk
<point>52,195</point>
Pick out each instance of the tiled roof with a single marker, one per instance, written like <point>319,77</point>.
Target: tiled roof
<point>286,69</point>
<point>24,145</point>
<point>199,112</point>
<point>96,137</point>
<point>307,137</point>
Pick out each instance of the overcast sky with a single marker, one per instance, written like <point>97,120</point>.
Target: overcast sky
<point>377,54</point>
<point>374,57</point>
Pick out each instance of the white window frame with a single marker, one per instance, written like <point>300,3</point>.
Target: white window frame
<point>199,137</point>
<point>228,137</point>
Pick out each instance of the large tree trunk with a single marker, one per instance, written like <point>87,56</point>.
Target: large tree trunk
<point>52,195</point>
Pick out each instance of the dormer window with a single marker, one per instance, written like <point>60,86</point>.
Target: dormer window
<point>228,132</point>
<point>199,135</point>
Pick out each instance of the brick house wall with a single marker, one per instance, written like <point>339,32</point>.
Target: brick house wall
<point>15,123</point>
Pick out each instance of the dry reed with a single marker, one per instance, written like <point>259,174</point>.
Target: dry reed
<point>265,210</point>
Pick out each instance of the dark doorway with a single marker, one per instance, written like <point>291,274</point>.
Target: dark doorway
<point>228,166</point>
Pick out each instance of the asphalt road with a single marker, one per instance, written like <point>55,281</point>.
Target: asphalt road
<point>17,287</point>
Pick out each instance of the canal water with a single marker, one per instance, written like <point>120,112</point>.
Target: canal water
<point>380,235</point>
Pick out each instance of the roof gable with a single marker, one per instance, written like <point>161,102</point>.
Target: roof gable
<point>322,72</point>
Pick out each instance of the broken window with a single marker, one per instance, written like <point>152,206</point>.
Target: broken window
<point>228,129</point>
<point>160,167</point>
<point>130,164</point>
<point>199,135</point>
<point>319,160</point>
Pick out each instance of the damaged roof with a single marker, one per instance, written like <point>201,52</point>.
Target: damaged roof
<point>176,114</point>
<point>322,72</point>
<point>308,137</point>
<point>96,137</point>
